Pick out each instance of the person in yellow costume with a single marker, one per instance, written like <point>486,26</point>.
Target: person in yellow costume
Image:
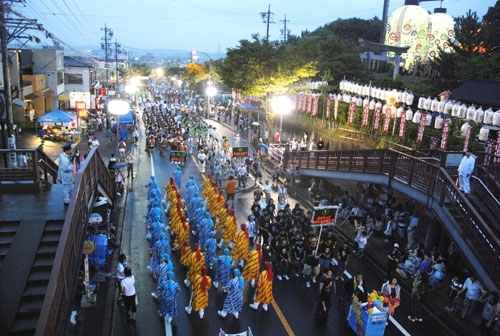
<point>252,266</point>
<point>264,291</point>
<point>195,263</point>
<point>182,235</point>
<point>229,230</point>
<point>241,243</point>
<point>199,296</point>
<point>185,253</point>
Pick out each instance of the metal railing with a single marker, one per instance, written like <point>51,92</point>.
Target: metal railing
<point>423,172</point>
<point>57,305</point>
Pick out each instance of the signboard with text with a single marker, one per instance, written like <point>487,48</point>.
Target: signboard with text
<point>178,157</point>
<point>324,215</point>
<point>240,151</point>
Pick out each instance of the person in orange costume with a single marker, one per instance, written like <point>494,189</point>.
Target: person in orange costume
<point>264,291</point>
<point>241,242</point>
<point>195,263</point>
<point>199,296</point>
<point>252,266</point>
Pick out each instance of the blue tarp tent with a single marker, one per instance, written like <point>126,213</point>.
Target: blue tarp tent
<point>56,116</point>
<point>127,118</point>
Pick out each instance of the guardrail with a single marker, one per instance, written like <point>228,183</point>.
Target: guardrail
<point>427,174</point>
<point>57,306</point>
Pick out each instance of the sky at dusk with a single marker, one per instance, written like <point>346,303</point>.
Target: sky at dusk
<point>204,25</point>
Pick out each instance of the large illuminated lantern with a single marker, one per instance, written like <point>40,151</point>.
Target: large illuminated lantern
<point>442,31</point>
<point>410,25</point>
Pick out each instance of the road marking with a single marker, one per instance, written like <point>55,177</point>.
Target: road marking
<point>283,320</point>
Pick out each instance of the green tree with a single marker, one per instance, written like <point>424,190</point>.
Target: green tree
<point>261,68</point>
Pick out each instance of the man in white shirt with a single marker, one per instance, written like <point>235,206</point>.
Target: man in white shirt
<point>128,290</point>
<point>465,170</point>
<point>242,176</point>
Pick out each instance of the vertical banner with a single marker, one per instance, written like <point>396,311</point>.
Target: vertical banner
<point>328,103</point>
<point>336,107</point>
<point>352,108</point>
<point>387,120</point>
<point>366,115</point>
<point>376,121</point>
<point>315,100</point>
<point>303,102</point>
<point>497,149</point>
<point>488,149</point>
<point>467,138</point>
<point>421,127</point>
<point>446,132</point>
<point>434,142</point>
<point>402,125</point>
<point>297,102</point>
<point>309,104</point>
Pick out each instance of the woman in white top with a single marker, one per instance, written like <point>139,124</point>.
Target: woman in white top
<point>128,290</point>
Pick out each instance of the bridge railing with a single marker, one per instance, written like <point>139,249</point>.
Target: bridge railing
<point>93,174</point>
<point>425,173</point>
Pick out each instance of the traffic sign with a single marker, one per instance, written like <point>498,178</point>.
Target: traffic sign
<point>324,215</point>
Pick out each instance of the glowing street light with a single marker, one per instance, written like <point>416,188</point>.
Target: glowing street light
<point>211,91</point>
<point>282,105</point>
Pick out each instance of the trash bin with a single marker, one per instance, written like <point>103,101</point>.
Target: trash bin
<point>77,136</point>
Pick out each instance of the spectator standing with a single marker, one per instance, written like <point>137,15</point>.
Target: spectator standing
<point>419,291</point>
<point>465,170</point>
<point>491,310</point>
<point>393,258</point>
<point>128,290</point>
<point>392,290</point>
<point>119,182</point>
<point>267,190</point>
<point>343,259</point>
<point>472,288</point>
<point>22,160</point>
<point>122,148</point>
<point>65,172</point>
<point>354,287</point>
<point>120,273</point>
<point>321,144</point>
<point>412,227</point>
<point>130,165</point>
<point>230,189</point>
<point>455,288</point>
<point>325,302</point>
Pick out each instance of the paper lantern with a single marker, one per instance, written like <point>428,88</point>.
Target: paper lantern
<point>372,104</point>
<point>391,98</point>
<point>438,123</point>
<point>483,133</point>
<point>440,107</point>
<point>442,30</point>
<point>496,118</point>
<point>488,117</point>
<point>462,111</point>
<point>448,107</point>
<point>346,98</point>
<point>384,108</point>
<point>359,102</point>
<point>399,111</point>
<point>428,119</point>
<point>434,105</point>
<point>416,117</point>
<point>471,111</point>
<point>427,104</point>
<point>421,102</point>
<point>409,99</point>
<point>409,25</point>
<point>464,129</point>
<point>366,101</point>
<point>409,115</point>
<point>400,97</point>
<point>479,115</point>
<point>455,110</point>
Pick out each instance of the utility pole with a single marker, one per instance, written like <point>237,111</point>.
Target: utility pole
<point>267,19</point>
<point>285,32</point>
<point>106,46</point>
<point>6,115</point>
<point>117,51</point>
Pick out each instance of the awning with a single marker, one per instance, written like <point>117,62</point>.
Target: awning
<point>19,102</point>
<point>63,97</point>
<point>31,96</point>
<point>44,91</point>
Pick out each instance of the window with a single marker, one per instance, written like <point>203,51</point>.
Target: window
<point>73,79</point>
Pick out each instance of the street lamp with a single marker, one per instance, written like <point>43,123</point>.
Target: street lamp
<point>118,107</point>
<point>211,91</point>
<point>282,105</point>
